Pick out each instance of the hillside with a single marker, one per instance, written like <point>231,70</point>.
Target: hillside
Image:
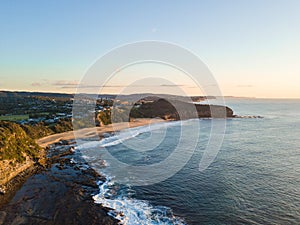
<point>18,148</point>
<point>18,151</point>
<point>172,109</point>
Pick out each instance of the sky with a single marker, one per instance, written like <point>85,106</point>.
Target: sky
<point>252,47</point>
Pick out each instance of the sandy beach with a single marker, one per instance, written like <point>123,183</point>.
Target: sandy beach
<point>61,192</point>
<point>95,132</point>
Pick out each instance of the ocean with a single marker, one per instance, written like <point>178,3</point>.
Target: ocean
<point>254,179</point>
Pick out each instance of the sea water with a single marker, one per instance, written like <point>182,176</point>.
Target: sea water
<point>254,179</point>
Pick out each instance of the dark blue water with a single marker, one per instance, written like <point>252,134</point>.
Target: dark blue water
<point>255,178</point>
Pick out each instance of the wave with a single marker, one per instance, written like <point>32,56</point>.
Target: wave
<point>125,134</point>
<point>127,210</point>
<point>132,211</point>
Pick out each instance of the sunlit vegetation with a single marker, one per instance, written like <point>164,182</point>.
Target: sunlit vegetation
<point>104,118</point>
<point>62,125</point>
<point>15,117</point>
<point>18,141</point>
<point>15,143</point>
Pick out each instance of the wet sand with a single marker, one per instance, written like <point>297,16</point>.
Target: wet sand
<point>95,132</point>
<point>62,192</point>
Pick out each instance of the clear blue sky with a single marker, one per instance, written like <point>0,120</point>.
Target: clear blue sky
<point>251,46</point>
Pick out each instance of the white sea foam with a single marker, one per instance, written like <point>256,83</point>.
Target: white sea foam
<point>133,132</point>
<point>124,135</point>
<point>132,211</point>
<point>73,161</point>
<point>87,145</point>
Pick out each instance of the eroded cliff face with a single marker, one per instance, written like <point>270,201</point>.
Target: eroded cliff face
<point>177,110</point>
<point>10,168</point>
<point>18,151</point>
<point>214,111</point>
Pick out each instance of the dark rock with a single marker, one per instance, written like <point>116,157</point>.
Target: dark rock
<point>61,194</point>
<point>2,217</point>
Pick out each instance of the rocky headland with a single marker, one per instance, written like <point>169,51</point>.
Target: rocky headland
<point>45,182</point>
<point>60,193</point>
<point>179,110</point>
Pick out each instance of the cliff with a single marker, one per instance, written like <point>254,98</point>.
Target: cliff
<point>18,151</point>
<point>178,110</point>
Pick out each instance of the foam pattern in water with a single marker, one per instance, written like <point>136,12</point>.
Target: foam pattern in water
<point>132,211</point>
<point>124,135</point>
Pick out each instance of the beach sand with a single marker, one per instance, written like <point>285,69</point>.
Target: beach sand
<point>95,132</point>
<point>61,193</point>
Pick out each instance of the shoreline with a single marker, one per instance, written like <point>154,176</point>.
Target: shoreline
<point>95,132</point>
<point>60,193</point>
<point>22,183</point>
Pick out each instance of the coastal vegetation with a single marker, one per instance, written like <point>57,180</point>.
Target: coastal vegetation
<point>26,117</point>
<point>18,148</point>
<point>18,141</point>
<point>178,110</point>
<point>15,143</point>
<point>103,118</point>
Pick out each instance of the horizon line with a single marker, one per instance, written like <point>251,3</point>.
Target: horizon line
<point>225,96</point>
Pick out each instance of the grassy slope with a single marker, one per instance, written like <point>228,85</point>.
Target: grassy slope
<point>18,148</point>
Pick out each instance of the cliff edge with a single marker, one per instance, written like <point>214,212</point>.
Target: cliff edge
<point>178,110</point>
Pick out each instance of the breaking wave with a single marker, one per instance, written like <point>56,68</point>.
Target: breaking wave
<point>131,211</point>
